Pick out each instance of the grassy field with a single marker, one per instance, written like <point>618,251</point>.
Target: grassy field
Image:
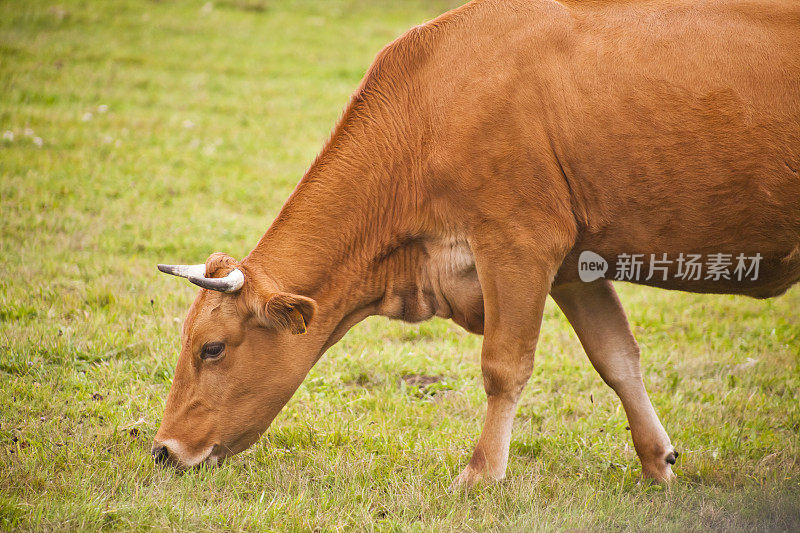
<point>143,132</point>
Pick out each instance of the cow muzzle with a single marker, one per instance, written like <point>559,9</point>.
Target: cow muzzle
<point>171,453</point>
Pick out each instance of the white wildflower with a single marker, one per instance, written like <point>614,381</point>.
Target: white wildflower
<point>102,108</point>
<point>28,132</point>
<point>188,124</point>
<point>8,135</point>
<point>38,141</point>
<point>87,117</point>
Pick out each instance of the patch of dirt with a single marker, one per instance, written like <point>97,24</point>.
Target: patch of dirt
<point>420,380</point>
<point>425,387</point>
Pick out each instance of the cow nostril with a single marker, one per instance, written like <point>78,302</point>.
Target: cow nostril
<point>160,453</point>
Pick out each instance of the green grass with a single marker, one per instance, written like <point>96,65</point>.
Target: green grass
<point>212,116</point>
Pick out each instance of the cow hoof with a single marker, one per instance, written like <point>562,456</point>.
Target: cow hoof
<point>659,470</point>
<point>465,480</point>
<point>663,475</point>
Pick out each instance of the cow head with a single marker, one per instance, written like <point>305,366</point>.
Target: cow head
<point>243,354</point>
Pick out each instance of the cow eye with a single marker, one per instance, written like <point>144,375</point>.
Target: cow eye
<point>212,350</point>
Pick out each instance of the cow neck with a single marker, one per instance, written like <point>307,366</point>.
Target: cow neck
<point>357,205</point>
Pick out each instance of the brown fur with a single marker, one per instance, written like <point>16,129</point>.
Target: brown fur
<point>482,152</point>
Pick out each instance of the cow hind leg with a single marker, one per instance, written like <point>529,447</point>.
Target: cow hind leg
<point>596,315</point>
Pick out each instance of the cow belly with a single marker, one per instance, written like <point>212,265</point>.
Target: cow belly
<point>722,221</point>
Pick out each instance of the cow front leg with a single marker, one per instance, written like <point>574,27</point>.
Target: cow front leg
<point>514,296</point>
<point>596,315</point>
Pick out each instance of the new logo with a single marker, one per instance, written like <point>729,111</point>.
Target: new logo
<point>591,266</point>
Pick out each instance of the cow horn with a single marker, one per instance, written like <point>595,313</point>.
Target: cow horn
<point>184,271</point>
<point>230,283</point>
<point>197,275</point>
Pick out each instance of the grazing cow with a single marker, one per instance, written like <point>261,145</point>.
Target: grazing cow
<point>486,160</point>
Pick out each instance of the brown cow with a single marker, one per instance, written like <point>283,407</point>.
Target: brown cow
<point>484,152</point>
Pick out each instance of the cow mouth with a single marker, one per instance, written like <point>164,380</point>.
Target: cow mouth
<point>209,461</point>
<point>215,457</point>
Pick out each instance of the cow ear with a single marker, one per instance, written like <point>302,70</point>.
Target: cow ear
<point>290,311</point>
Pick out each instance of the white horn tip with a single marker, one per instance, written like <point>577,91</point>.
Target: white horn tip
<point>184,271</point>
